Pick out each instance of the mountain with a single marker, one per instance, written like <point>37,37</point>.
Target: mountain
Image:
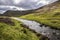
<point>10,29</point>
<point>48,15</point>
<point>20,13</point>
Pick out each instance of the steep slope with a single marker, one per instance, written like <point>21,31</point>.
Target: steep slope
<point>13,30</point>
<point>48,15</point>
<point>16,13</point>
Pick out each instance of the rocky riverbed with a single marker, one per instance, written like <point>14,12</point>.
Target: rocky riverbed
<point>52,34</point>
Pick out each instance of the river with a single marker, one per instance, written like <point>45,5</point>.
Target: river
<point>52,34</point>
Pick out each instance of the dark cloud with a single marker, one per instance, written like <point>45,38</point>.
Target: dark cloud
<point>25,4</point>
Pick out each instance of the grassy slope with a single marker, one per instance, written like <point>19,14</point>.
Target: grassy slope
<point>48,15</point>
<point>16,32</point>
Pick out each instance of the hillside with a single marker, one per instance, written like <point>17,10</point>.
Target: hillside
<point>13,30</point>
<point>10,29</point>
<point>12,13</point>
<point>48,15</point>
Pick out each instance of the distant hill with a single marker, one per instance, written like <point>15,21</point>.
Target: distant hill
<point>16,13</point>
<point>47,15</point>
<point>20,13</point>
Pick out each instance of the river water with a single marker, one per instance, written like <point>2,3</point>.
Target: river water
<point>52,34</point>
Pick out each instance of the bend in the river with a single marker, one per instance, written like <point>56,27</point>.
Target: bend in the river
<point>52,34</point>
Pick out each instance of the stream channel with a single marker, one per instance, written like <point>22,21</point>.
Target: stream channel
<point>52,34</point>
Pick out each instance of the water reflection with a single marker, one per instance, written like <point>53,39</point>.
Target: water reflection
<point>52,34</point>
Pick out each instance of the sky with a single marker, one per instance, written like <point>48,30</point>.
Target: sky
<point>22,4</point>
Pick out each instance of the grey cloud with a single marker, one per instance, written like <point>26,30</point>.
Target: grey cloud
<point>6,2</point>
<point>25,4</point>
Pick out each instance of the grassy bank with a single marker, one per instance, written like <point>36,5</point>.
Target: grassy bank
<point>15,31</point>
<point>48,15</point>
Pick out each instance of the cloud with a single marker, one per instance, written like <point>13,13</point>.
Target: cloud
<point>16,1</point>
<point>23,4</point>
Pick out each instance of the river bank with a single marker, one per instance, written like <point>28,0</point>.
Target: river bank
<point>52,34</point>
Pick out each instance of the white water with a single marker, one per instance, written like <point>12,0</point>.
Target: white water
<point>53,34</point>
<point>22,5</point>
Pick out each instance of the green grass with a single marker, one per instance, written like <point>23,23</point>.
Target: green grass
<point>50,17</point>
<point>16,32</point>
